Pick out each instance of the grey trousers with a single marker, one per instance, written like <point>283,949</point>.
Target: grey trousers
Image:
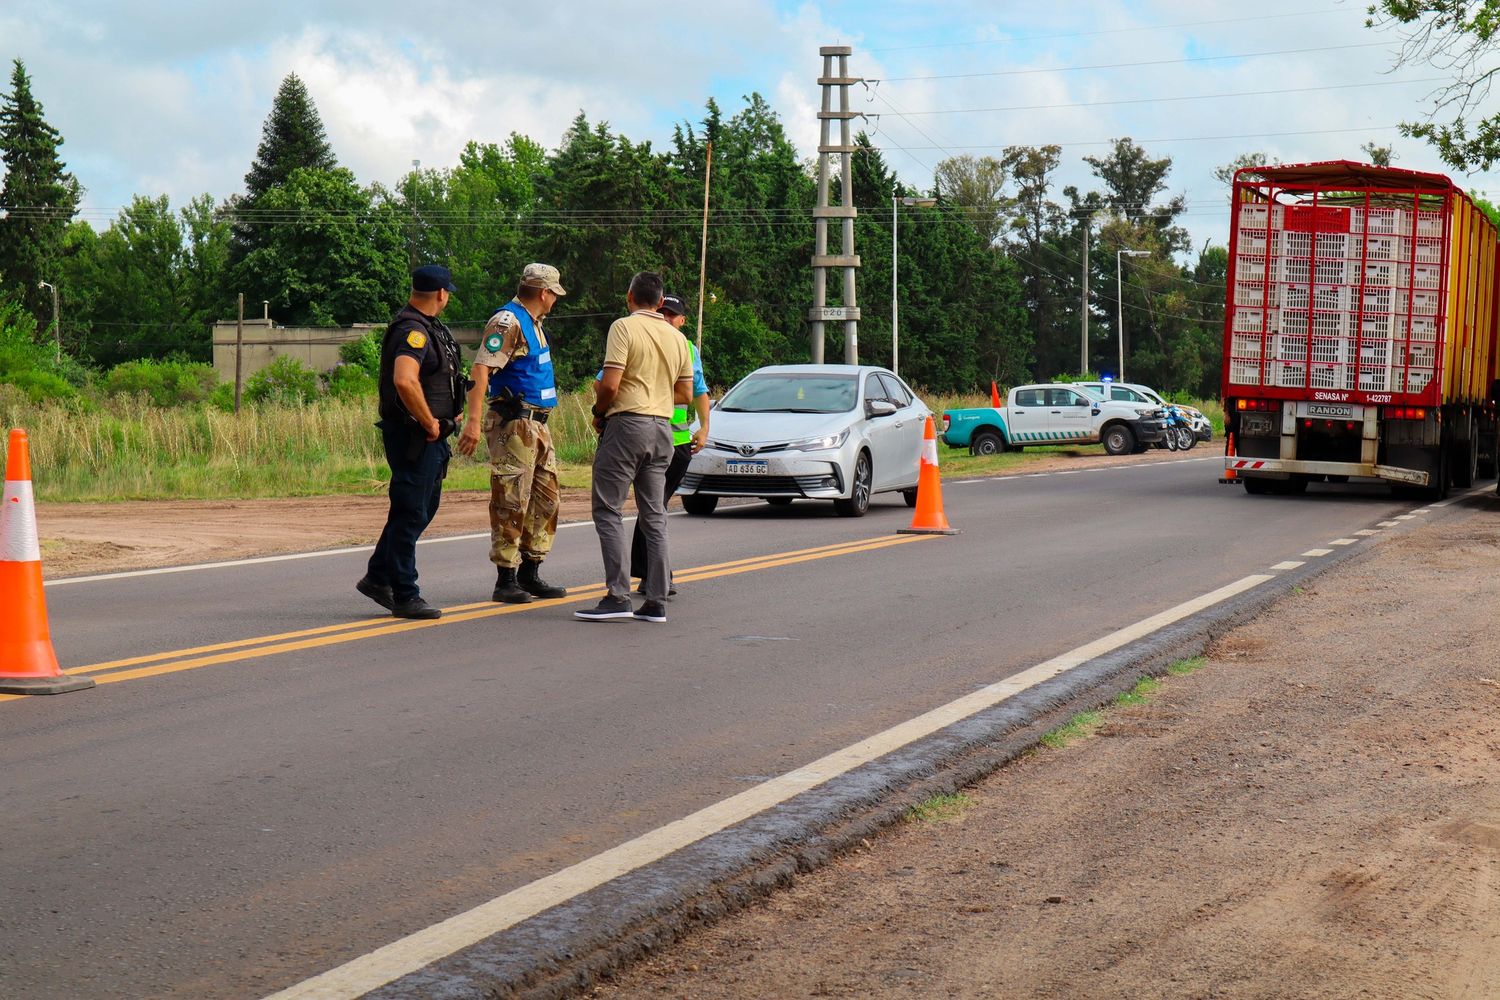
<point>633,450</point>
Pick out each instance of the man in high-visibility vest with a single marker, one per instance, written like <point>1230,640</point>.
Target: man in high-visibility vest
<point>686,442</point>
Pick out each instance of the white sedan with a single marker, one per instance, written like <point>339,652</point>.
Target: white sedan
<point>823,432</point>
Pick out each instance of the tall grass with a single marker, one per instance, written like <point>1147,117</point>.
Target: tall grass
<point>130,449</point>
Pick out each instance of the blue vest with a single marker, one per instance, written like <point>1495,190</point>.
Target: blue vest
<point>530,375</point>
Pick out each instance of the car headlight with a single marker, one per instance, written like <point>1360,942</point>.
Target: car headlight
<point>822,443</point>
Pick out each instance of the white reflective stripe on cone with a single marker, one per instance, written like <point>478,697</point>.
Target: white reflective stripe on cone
<point>18,541</point>
<point>929,452</point>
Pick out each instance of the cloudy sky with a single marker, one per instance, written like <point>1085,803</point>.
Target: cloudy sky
<point>169,98</point>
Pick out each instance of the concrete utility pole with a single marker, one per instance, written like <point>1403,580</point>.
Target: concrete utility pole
<point>847,260</point>
<point>56,326</point>
<point>1083,357</point>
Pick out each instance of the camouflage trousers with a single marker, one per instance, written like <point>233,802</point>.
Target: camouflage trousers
<point>523,490</point>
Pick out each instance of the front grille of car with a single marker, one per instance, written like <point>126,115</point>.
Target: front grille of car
<point>753,485</point>
<point>758,449</point>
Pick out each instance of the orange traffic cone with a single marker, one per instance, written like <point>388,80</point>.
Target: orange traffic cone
<point>28,664</point>
<point>1229,476</point>
<point>929,518</point>
<point>994,395</point>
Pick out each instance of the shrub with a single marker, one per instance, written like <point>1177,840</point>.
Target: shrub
<point>351,381</point>
<point>222,398</point>
<point>39,385</point>
<point>364,352</point>
<point>285,380</point>
<point>167,383</point>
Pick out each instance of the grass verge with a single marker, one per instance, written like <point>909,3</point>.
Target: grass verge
<point>1085,724</point>
<point>939,808</point>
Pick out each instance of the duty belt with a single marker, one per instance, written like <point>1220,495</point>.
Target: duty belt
<point>536,413</point>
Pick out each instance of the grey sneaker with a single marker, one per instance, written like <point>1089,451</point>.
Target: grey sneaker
<point>652,611</point>
<point>607,608</point>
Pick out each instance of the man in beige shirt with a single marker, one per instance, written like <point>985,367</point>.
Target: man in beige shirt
<point>648,372</point>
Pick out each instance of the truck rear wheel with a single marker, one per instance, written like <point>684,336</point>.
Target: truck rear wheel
<point>986,442</point>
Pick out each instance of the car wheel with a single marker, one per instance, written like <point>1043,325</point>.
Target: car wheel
<point>779,501</point>
<point>698,503</point>
<point>1119,440</point>
<point>859,496</point>
<point>986,442</point>
<point>910,496</point>
<point>1256,486</point>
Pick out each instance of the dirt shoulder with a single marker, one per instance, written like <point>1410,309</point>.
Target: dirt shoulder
<point>1314,812</point>
<point>83,538</point>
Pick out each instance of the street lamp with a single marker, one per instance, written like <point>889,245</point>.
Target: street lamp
<point>895,222</point>
<point>1120,301</point>
<point>56,330</point>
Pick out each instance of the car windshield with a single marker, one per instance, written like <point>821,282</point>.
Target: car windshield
<point>785,393</point>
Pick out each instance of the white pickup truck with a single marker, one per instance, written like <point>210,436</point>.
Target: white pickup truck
<point>1050,414</point>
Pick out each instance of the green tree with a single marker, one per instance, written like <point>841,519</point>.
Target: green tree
<point>1458,37</point>
<point>153,282</point>
<point>1132,182</point>
<point>292,139</point>
<point>39,197</point>
<point>478,219</point>
<point>337,259</point>
<point>976,187</point>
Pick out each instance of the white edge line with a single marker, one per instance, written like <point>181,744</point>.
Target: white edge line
<point>422,948</point>
<point>1289,564</point>
<point>1317,552</point>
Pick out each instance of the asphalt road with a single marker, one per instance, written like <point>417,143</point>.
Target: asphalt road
<point>230,821</point>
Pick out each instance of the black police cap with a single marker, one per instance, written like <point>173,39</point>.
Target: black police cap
<point>672,303</point>
<point>432,278</point>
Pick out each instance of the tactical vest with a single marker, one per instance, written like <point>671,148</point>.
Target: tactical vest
<point>682,421</point>
<point>440,386</point>
<point>528,376</point>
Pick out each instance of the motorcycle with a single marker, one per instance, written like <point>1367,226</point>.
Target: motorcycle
<point>1179,436</point>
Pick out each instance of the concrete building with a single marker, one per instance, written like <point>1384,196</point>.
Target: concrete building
<point>315,347</point>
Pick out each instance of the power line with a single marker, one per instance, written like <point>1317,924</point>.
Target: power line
<point>1114,31</point>
<point>1132,65</point>
<point>1166,100</point>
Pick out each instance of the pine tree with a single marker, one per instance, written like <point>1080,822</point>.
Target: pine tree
<point>39,197</point>
<point>292,137</point>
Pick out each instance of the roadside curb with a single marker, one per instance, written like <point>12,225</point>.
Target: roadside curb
<point>561,952</point>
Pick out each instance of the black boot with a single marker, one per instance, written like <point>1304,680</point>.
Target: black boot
<point>534,584</point>
<point>506,591</point>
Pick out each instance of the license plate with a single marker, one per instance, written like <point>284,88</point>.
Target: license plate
<point>1335,410</point>
<point>746,468</point>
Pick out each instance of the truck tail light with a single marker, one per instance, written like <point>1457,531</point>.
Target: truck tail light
<point>1406,412</point>
<point>947,422</point>
<point>1260,405</point>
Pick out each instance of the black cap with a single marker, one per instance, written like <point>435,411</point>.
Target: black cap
<point>672,303</point>
<point>432,278</point>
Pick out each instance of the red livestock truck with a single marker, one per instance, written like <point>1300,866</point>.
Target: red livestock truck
<point>1360,330</point>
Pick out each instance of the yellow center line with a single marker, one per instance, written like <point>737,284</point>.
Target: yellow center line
<point>349,632</point>
<point>382,624</point>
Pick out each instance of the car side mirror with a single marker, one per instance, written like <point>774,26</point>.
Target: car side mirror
<point>880,407</point>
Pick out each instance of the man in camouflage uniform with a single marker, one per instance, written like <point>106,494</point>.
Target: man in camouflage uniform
<point>513,368</point>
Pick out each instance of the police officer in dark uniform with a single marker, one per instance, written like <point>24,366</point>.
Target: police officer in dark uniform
<point>421,397</point>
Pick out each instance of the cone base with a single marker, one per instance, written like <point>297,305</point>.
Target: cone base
<point>44,685</point>
<point>926,531</point>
